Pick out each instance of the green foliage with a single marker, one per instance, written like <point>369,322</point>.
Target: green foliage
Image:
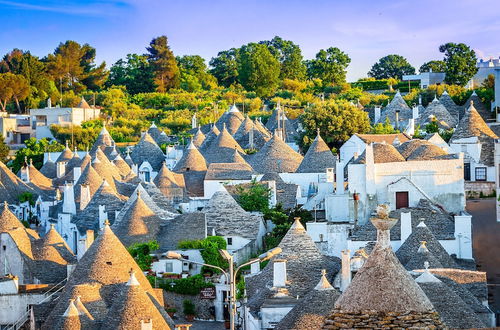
<point>224,67</point>
<point>329,65</point>
<point>77,136</point>
<point>254,198</point>
<point>290,57</point>
<point>134,73</point>
<point>4,150</point>
<point>162,61</point>
<point>435,66</point>
<point>188,307</point>
<point>13,87</point>
<point>385,128</point>
<point>34,151</point>
<point>27,197</point>
<point>141,253</point>
<point>460,62</point>
<point>258,69</point>
<point>189,286</point>
<point>209,249</point>
<point>432,127</point>
<point>391,66</point>
<point>337,120</point>
<point>194,75</point>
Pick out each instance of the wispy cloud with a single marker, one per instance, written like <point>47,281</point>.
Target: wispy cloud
<point>90,8</point>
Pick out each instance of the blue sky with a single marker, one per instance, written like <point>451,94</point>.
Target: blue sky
<point>366,30</point>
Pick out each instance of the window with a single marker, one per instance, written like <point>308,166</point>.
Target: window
<point>321,237</point>
<point>169,267</point>
<point>229,241</point>
<point>147,176</point>
<point>402,199</point>
<point>480,173</point>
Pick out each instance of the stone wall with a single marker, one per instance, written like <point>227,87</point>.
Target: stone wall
<point>204,307</point>
<point>377,320</point>
<point>473,189</point>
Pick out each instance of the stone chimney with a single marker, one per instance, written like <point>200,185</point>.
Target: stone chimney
<point>60,169</point>
<point>377,114</point>
<point>255,268</point>
<point>89,237</point>
<point>69,205</point>
<point>49,103</point>
<point>147,324</point>
<point>415,113</point>
<point>250,138</point>
<point>84,195</point>
<point>405,226</point>
<point>194,121</point>
<point>339,169</point>
<point>396,126</point>
<point>279,273</point>
<point>346,275</point>
<point>77,172</point>
<point>25,171</point>
<point>383,224</point>
<point>370,170</point>
<point>103,215</point>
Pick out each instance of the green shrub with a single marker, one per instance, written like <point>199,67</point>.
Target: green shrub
<point>189,286</point>
<point>189,307</point>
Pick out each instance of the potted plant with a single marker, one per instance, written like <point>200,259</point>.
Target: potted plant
<point>189,310</point>
<point>171,312</point>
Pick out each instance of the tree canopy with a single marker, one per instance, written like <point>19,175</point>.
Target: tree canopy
<point>460,62</point>
<point>133,72</point>
<point>391,66</point>
<point>435,66</point>
<point>329,65</point>
<point>162,60</point>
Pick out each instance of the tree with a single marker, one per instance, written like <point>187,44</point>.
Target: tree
<point>141,252</point>
<point>72,66</point>
<point>258,69</point>
<point>35,72</point>
<point>162,60</point>
<point>435,66</point>
<point>329,65</point>
<point>254,198</point>
<point>34,150</point>
<point>337,121</point>
<point>489,82</point>
<point>4,150</point>
<point>391,82</point>
<point>385,128</point>
<point>13,87</point>
<point>460,62</point>
<point>194,72</point>
<point>134,73</point>
<point>224,67</point>
<point>290,57</point>
<point>391,66</point>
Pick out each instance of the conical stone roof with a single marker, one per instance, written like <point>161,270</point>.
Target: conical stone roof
<point>436,111</point>
<point>133,306</point>
<point>52,247</point>
<point>397,104</point>
<point>148,150</point>
<point>198,138</point>
<point>103,141</point>
<point>88,177</point>
<point>450,105</point>
<point>276,156</point>
<point>192,160</point>
<point>83,104</point>
<point>421,256</point>
<point>166,179</point>
<point>38,179</point>
<point>76,161</point>
<point>222,149</point>
<point>242,135</point>
<point>210,137</point>
<point>478,105</point>
<point>231,119</point>
<point>11,186</point>
<point>139,224</point>
<point>383,284</point>
<point>66,155</point>
<point>318,158</point>
<point>8,220</point>
<point>121,165</point>
<point>49,169</point>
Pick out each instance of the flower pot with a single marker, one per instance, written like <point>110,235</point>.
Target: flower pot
<point>227,324</point>
<point>189,318</point>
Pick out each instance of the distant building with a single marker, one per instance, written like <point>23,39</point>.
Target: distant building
<point>42,119</point>
<point>15,129</point>
<point>426,78</point>
<point>484,69</point>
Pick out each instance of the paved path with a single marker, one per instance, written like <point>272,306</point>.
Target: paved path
<point>486,245</point>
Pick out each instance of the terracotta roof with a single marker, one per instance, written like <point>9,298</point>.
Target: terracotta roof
<point>138,224</point>
<point>192,160</point>
<point>473,125</point>
<point>222,148</point>
<point>198,138</point>
<point>382,284</point>
<point>300,253</point>
<point>276,156</point>
<point>318,158</point>
<point>436,111</point>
